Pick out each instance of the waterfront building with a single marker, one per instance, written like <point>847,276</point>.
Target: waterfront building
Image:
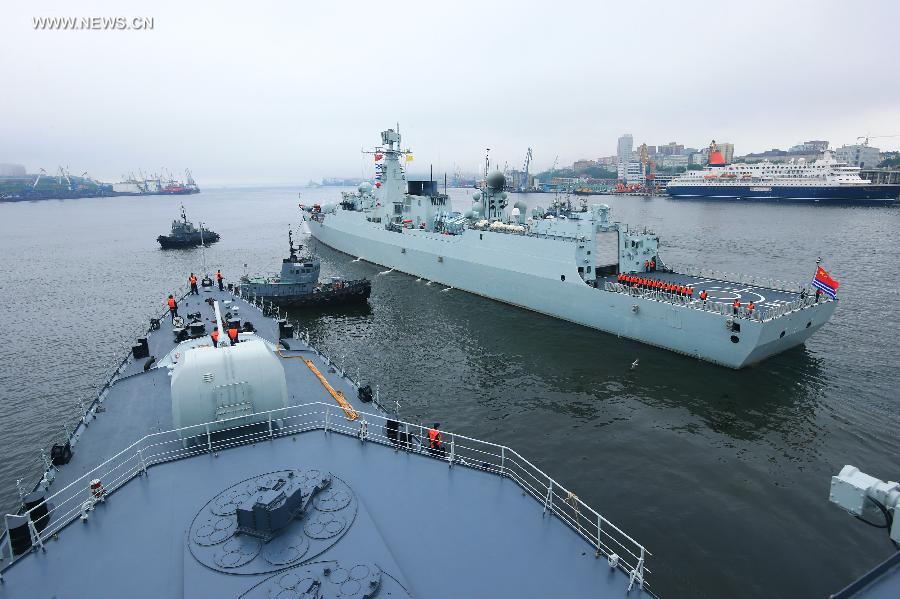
<point>861,155</point>
<point>625,150</point>
<point>810,147</point>
<point>670,149</point>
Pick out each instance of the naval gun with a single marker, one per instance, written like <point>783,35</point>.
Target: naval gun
<point>868,498</point>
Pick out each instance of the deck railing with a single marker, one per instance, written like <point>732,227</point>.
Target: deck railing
<point>721,308</point>
<point>77,499</point>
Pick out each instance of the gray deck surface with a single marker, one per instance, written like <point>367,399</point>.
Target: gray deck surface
<point>434,530</point>
<point>882,582</point>
<point>722,291</point>
<point>139,402</point>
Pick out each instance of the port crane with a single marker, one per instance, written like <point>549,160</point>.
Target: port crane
<point>64,174</point>
<point>866,138</point>
<point>528,156</point>
<point>41,173</point>
<point>648,166</point>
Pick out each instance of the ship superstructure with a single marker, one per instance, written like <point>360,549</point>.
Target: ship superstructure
<point>825,179</point>
<point>298,286</point>
<point>567,261</point>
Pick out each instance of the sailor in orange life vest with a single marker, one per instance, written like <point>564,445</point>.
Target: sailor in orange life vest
<point>736,306</point>
<point>215,337</point>
<point>233,336</point>
<point>703,296</point>
<point>435,440</point>
<point>751,308</point>
<point>173,307</point>
<point>219,278</point>
<point>193,281</point>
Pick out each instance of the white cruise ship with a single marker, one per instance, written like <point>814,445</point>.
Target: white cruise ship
<point>822,180</point>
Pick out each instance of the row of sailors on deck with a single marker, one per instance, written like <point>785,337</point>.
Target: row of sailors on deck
<point>658,285</point>
<point>679,290</point>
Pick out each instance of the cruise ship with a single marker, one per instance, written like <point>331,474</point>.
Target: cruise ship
<point>822,180</point>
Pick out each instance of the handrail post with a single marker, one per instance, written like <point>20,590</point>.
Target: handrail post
<point>270,425</point>
<point>143,462</point>
<point>452,449</point>
<point>548,502</point>
<point>208,439</point>
<point>641,569</point>
<point>34,533</point>
<point>503,460</point>
<point>599,532</point>
<point>12,555</point>
<point>327,412</point>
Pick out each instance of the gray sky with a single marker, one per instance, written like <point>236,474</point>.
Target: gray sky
<point>253,92</point>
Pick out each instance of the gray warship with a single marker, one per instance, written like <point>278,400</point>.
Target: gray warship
<point>298,284</point>
<point>566,262</point>
<point>184,234</point>
<point>263,469</point>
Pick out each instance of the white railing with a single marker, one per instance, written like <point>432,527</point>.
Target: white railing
<point>38,469</point>
<point>77,500</point>
<point>721,308</point>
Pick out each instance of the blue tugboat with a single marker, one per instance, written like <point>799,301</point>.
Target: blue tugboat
<point>298,285</point>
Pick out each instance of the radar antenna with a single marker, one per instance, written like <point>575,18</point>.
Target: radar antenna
<point>291,245</point>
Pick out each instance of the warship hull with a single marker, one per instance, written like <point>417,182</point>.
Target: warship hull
<point>353,292</point>
<point>540,274</point>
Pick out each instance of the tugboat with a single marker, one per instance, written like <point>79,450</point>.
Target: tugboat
<point>299,287</point>
<point>184,234</point>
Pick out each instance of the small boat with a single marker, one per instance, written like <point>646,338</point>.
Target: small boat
<point>184,234</point>
<point>298,285</point>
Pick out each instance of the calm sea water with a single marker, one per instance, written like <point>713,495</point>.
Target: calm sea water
<point>723,475</point>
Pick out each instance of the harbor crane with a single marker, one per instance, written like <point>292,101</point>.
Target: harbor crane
<point>648,166</point>
<point>866,138</point>
<point>528,156</point>
<point>41,173</point>
<point>64,174</point>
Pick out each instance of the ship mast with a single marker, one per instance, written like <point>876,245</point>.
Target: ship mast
<point>291,245</point>
<point>391,188</point>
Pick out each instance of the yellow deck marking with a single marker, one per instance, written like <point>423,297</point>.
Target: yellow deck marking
<point>337,395</point>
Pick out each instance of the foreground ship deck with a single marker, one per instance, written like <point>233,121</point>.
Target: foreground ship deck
<point>395,521</point>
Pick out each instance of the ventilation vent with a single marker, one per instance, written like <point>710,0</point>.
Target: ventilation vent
<point>208,377</point>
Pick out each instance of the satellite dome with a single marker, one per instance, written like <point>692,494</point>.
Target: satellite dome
<point>476,196</point>
<point>365,187</point>
<point>496,180</point>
